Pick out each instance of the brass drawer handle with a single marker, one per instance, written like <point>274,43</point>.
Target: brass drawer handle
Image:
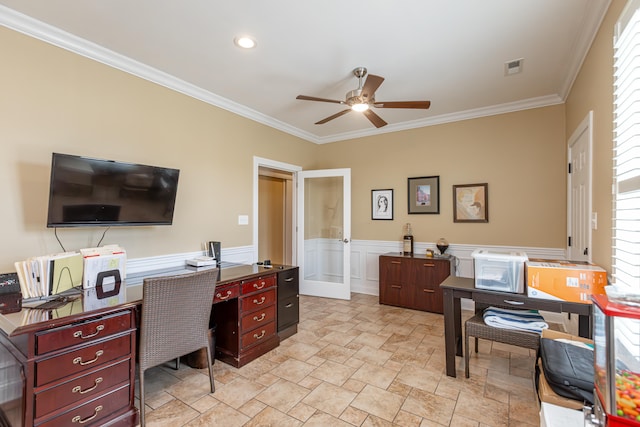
<point>78,360</point>
<point>428,265</point>
<point>396,286</point>
<point>256,336</point>
<point>219,295</point>
<point>428,290</point>
<point>395,262</point>
<point>260,286</point>
<point>78,334</point>
<point>262,300</point>
<point>289,279</point>
<point>259,319</point>
<point>79,420</point>
<point>78,389</point>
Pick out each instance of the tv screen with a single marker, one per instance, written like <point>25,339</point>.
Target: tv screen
<point>94,192</point>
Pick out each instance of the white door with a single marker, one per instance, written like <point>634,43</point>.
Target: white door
<point>324,233</point>
<point>579,193</point>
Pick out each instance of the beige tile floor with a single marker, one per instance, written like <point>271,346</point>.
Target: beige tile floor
<point>353,363</point>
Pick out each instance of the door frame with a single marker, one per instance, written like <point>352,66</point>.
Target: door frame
<point>285,167</point>
<point>586,126</point>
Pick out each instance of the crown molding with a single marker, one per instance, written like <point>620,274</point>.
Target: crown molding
<point>57,37</point>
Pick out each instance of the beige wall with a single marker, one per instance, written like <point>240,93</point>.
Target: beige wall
<point>520,155</point>
<point>593,90</point>
<point>53,100</point>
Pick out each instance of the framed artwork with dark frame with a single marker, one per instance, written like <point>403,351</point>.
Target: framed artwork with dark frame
<point>382,204</point>
<point>424,195</point>
<point>471,203</point>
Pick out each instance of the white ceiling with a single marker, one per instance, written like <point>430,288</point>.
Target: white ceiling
<point>449,52</point>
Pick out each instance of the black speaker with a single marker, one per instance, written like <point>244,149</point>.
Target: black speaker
<point>214,251</point>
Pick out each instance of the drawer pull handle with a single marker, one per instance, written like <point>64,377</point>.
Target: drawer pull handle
<point>219,295</point>
<point>79,420</point>
<point>429,290</point>
<point>78,360</point>
<point>256,336</point>
<point>428,265</point>
<point>395,262</point>
<point>289,279</point>
<point>78,389</point>
<point>508,301</point>
<point>79,334</point>
<point>396,286</point>
<point>259,286</point>
<point>259,319</point>
<point>262,300</point>
<point>289,305</point>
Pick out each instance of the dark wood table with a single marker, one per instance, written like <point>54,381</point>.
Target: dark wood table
<point>454,288</point>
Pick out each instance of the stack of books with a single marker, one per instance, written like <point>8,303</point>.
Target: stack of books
<point>49,275</point>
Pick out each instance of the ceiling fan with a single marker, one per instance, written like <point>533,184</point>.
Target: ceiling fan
<point>363,98</point>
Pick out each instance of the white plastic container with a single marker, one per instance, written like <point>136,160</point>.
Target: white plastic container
<point>499,271</point>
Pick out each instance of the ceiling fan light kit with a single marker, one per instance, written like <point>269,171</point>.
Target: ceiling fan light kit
<point>363,98</point>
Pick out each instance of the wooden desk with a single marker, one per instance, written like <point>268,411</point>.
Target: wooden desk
<point>78,360</point>
<point>454,288</point>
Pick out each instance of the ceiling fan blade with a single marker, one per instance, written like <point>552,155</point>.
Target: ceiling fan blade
<point>371,85</point>
<point>374,118</point>
<point>403,104</point>
<point>313,98</point>
<point>335,116</point>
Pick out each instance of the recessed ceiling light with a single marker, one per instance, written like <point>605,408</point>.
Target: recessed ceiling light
<point>245,42</point>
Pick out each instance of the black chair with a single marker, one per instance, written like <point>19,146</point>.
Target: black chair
<point>175,321</point>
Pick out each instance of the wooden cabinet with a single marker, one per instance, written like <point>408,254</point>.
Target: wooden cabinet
<point>79,371</point>
<point>288,302</point>
<point>245,315</point>
<point>413,281</point>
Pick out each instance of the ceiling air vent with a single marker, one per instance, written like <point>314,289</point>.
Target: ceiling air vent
<point>513,67</point>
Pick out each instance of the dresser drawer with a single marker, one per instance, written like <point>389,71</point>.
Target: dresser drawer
<point>515,301</point>
<point>258,335</point>
<point>258,284</point>
<point>84,332</point>
<point>92,413</point>
<point>81,359</point>
<point>288,283</point>
<point>258,318</point>
<point>88,385</point>
<point>224,293</point>
<point>257,301</point>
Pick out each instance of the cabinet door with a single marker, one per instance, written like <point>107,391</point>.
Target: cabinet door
<point>395,286</point>
<point>428,275</point>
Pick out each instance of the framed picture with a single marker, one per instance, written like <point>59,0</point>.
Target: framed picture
<point>424,195</point>
<point>470,203</point>
<point>382,204</point>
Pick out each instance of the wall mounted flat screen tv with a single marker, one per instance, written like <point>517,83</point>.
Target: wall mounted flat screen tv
<point>86,192</point>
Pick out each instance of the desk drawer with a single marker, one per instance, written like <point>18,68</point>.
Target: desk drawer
<point>258,284</point>
<point>93,412</point>
<point>224,293</point>
<point>258,318</point>
<point>81,360</point>
<point>257,301</point>
<point>515,301</point>
<point>258,335</point>
<point>79,333</point>
<point>91,384</point>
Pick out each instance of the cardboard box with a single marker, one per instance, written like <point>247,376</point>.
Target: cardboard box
<point>545,392</point>
<point>558,416</point>
<point>564,280</point>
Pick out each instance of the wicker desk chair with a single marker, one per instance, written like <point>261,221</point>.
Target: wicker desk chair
<point>475,327</point>
<point>175,321</point>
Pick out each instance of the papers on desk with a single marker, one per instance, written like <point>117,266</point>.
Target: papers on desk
<point>48,275</point>
<point>103,266</point>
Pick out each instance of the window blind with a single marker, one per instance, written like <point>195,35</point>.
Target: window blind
<point>626,149</point>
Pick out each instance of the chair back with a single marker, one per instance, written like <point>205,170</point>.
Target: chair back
<point>175,316</point>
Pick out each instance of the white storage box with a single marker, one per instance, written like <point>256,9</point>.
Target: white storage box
<point>499,271</point>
